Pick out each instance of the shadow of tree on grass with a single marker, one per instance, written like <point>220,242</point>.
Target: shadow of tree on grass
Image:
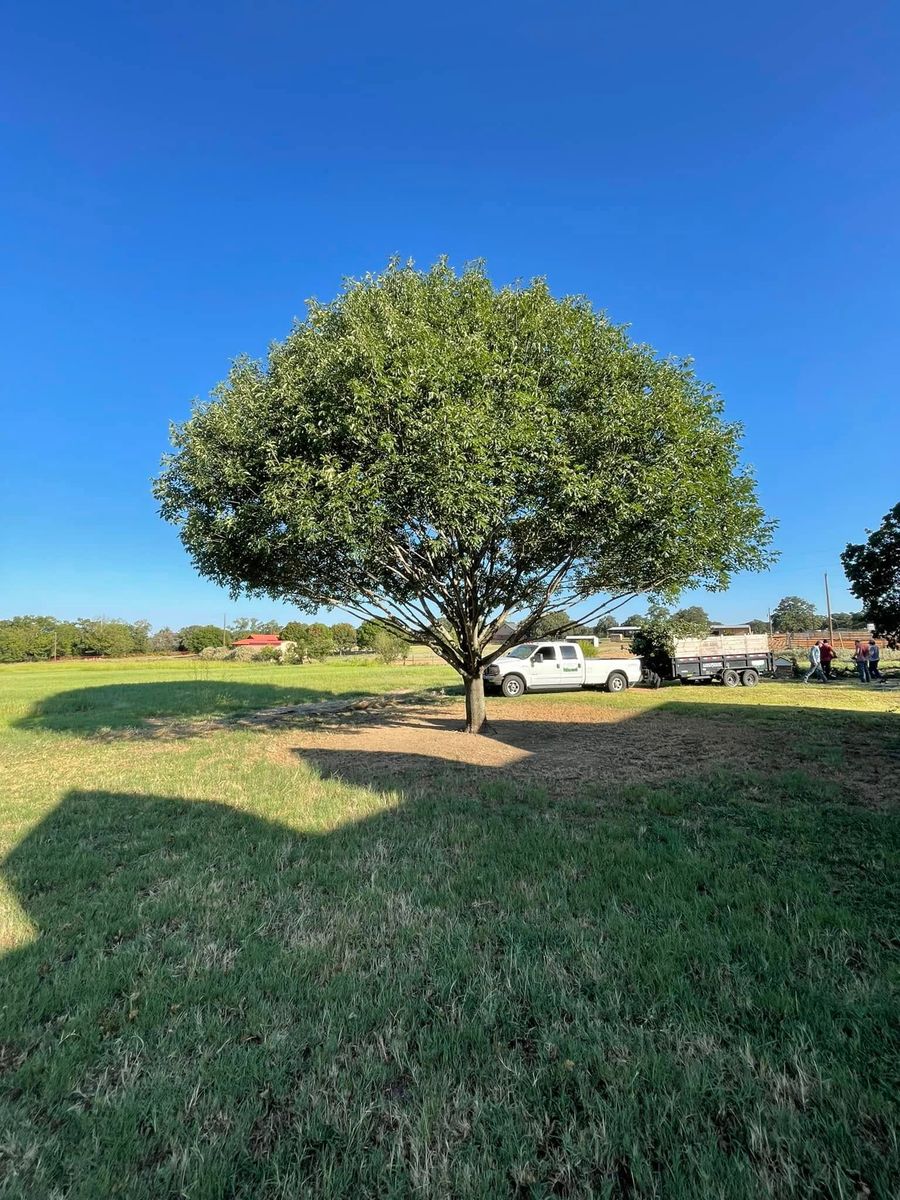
<point>120,706</point>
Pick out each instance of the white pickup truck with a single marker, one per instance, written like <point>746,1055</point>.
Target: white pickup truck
<point>557,666</point>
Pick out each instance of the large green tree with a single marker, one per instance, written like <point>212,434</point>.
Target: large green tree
<point>197,637</point>
<point>792,614</point>
<point>110,638</point>
<point>344,636</point>
<point>367,634</point>
<point>319,640</point>
<point>873,569</point>
<point>34,637</point>
<point>445,456</point>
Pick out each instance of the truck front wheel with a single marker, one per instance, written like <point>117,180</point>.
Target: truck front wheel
<point>513,685</point>
<point>617,682</point>
<point>730,678</point>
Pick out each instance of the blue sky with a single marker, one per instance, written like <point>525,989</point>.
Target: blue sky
<point>176,179</point>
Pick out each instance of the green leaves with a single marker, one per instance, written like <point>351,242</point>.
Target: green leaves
<point>793,614</point>
<point>428,447</point>
<point>873,569</point>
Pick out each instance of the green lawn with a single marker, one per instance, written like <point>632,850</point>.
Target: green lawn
<point>229,973</point>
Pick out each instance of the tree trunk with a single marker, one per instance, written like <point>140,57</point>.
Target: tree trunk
<point>475,710</point>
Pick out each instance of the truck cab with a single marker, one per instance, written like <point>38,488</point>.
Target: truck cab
<point>548,666</point>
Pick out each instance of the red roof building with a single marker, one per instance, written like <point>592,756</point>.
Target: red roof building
<point>259,639</point>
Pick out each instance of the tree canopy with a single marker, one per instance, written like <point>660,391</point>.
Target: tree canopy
<point>245,626</point>
<point>848,620</point>
<point>792,614</point>
<point>873,569</point>
<point>692,620</point>
<point>344,636</point>
<point>552,623</point>
<point>197,637</point>
<point>319,641</point>
<point>444,455</point>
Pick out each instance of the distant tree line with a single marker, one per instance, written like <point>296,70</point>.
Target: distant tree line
<point>33,638</point>
<point>792,614</point>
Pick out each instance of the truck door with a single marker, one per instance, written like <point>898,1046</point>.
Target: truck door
<point>571,668</point>
<point>545,668</point>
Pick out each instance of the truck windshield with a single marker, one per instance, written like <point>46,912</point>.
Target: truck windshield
<point>525,651</point>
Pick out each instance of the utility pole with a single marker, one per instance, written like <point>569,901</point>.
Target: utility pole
<point>224,620</point>
<point>828,610</point>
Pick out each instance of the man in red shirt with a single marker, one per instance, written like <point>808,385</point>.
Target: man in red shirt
<point>828,653</point>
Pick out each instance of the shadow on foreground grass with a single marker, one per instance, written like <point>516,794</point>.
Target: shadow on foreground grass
<point>681,991</point>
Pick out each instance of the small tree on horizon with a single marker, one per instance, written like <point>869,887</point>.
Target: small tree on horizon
<point>793,614</point>
<point>693,620</point>
<point>164,641</point>
<point>444,456</point>
<point>344,636</point>
<point>553,623</point>
<point>388,646</point>
<point>195,638</point>
<point>319,640</point>
<point>848,620</point>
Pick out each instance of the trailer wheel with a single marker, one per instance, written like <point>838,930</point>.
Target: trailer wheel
<point>730,678</point>
<point>512,686</point>
<point>617,682</point>
<point>750,678</point>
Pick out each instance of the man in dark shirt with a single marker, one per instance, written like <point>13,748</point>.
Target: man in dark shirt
<point>828,653</point>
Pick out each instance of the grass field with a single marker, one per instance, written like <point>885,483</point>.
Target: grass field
<point>630,946</point>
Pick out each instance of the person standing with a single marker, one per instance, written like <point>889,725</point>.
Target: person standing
<point>874,659</point>
<point>828,654</point>
<point>861,658</point>
<point>815,663</point>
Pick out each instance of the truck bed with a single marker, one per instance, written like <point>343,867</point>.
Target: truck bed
<point>598,670</point>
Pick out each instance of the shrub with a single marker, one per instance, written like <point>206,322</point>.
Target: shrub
<point>268,654</point>
<point>388,647</point>
<point>589,650</point>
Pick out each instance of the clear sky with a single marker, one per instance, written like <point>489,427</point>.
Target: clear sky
<point>177,178</point>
